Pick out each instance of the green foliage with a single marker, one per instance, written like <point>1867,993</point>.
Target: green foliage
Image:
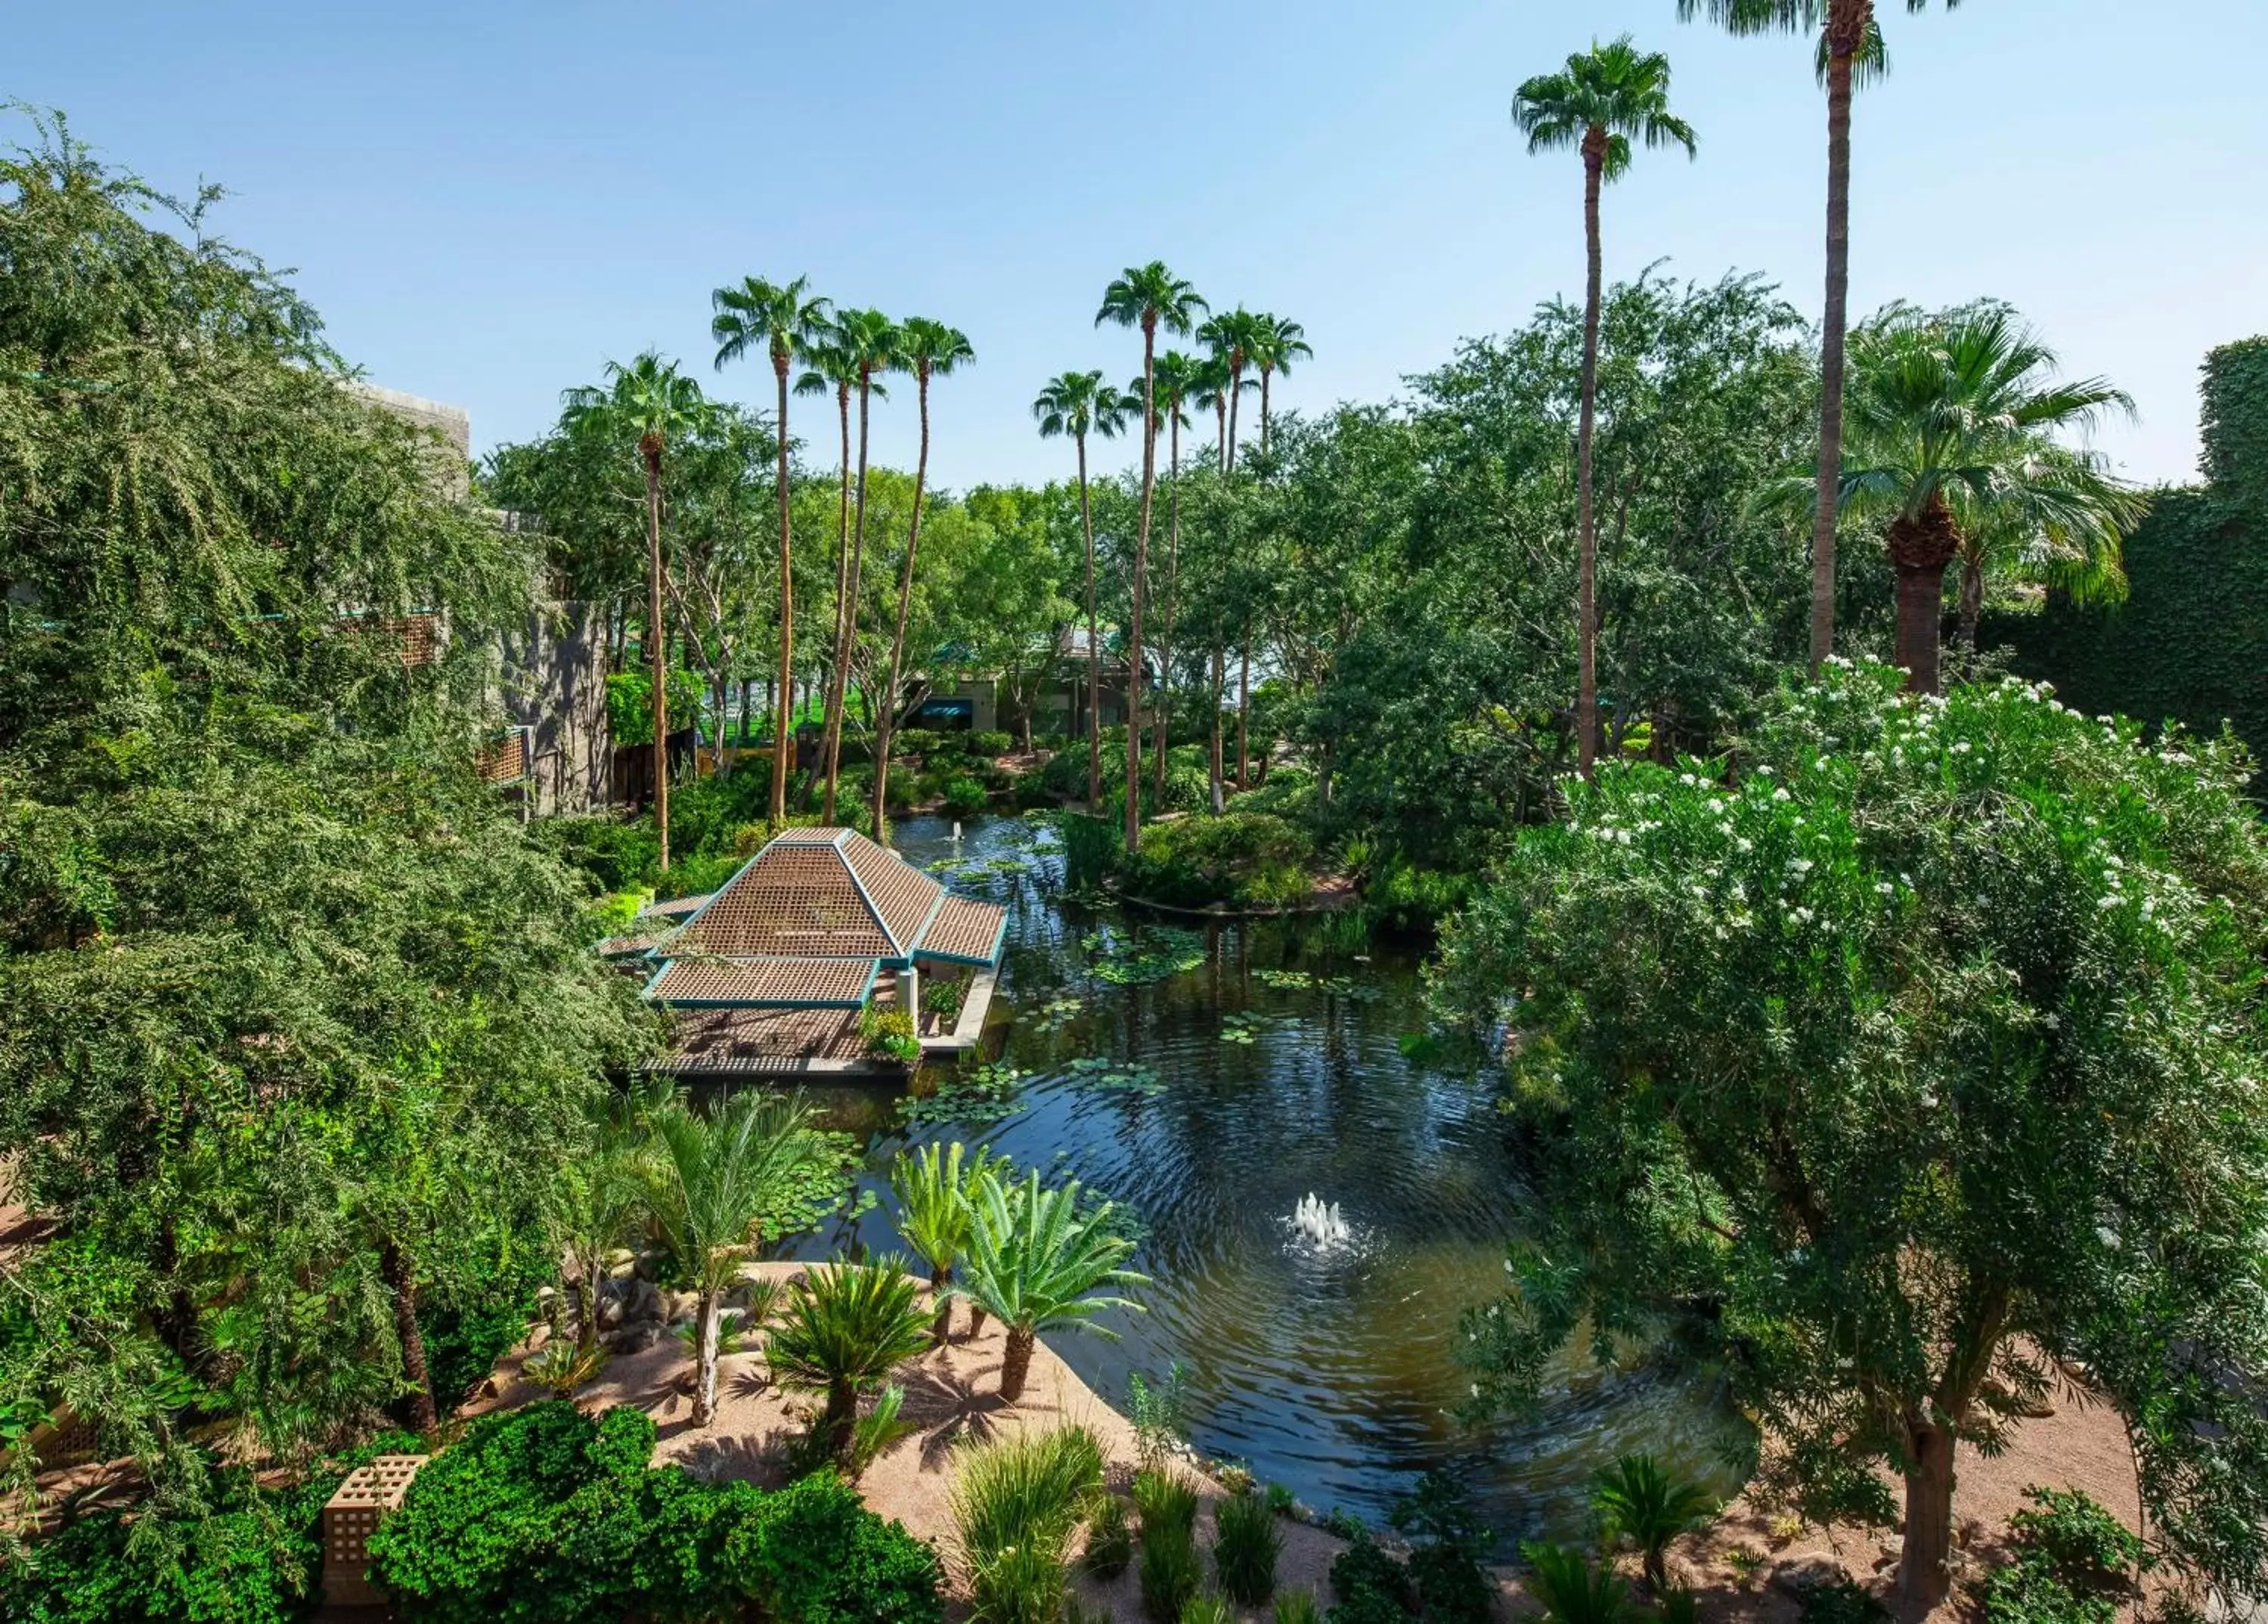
<point>963,795</point>
<point>1445,1563</point>
<point>1039,1261</point>
<point>1090,844</point>
<point>1840,1601</point>
<point>1639,1502</point>
<point>1972,980</point>
<point>1170,1572</point>
<point>1109,1539</point>
<point>1206,1609</point>
<point>991,1092</point>
<point>1371,1586</point>
<point>890,1034</point>
<point>1246,1545</point>
<point>629,705</point>
<point>1572,1588</point>
<point>1160,1411</point>
<point>2074,1563</point>
<point>1248,859</point>
<point>485,1314</point>
<point>1165,1499</point>
<point>1152,953</point>
<point>1297,1607</point>
<point>845,1328</point>
<point>1017,1503</point>
<point>812,1553</point>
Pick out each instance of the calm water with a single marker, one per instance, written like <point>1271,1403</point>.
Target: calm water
<point>1330,1371</point>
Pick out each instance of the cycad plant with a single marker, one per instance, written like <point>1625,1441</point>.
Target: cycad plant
<point>1641,1503</point>
<point>1572,1590</point>
<point>1037,1262</point>
<point>935,1217</point>
<point>1016,1503</point>
<point>845,1328</point>
<point>711,1179</point>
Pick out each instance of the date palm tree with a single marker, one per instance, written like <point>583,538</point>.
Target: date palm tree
<point>1281,343</point>
<point>1946,413</point>
<point>654,404</point>
<point>711,1180</point>
<point>870,342</point>
<point>1035,1262</point>
<point>927,349</point>
<point>1079,404</point>
<point>1604,99</point>
<point>932,1186</point>
<point>1639,1502</point>
<point>1148,297</point>
<point>786,321</point>
<point>1176,379</point>
<point>1850,54</point>
<point>845,1328</point>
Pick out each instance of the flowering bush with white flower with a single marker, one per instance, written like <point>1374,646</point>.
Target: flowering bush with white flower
<point>1920,1039</point>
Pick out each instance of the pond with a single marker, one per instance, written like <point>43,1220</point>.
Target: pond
<point>1213,1101</point>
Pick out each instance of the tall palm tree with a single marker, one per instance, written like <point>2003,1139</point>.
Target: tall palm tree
<point>651,401</point>
<point>786,322</point>
<point>927,349</point>
<point>1214,386</point>
<point>1946,413</point>
<point>1176,379</point>
<point>1147,297</point>
<point>932,1186</point>
<point>1079,404</point>
<point>846,1327</point>
<point>1281,343</point>
<point>1233,336</point>
<point>712,1179</point>
<point>871,340</point>
<point>1637,1500</point>
<point>1849,52</point>
<point>1035,1260</point>
<point>1604,98</point>
<point>834,370</point>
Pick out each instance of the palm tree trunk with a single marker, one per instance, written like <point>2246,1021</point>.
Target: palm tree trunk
<point>1847,23</point>
<point>1141,585</point>
<point>704,1375</point>
<point>847,630</point>
<point>1219,682</point>
<point>657,646</point>
<point>782,730</point>
<point>842,1424</point>
<point>1264,371</point>
<point>1220,432</point>
<point>975,1321</point>
<point>1586,613</point>
<point>401,1279</point>
<point>940,1329</point>
<point>1236,390</point>
<point>1016,1362</point>
<point>886,716</point>
<point>1920,548</point>
<point>1093,647</point>
<point>1173,594</point>
<point>1243,712</point>
<point>1972,597</point>
<point>833,707</point>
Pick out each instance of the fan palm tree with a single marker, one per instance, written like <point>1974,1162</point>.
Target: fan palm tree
<point>1213,387</point>
<point>712,1179</point>
<point>932,1186</point>
<point>1849,52</point>
<point>1079,404</point>
<point>1639,1502</point>
<point>846,1327</point>
<point>2030,538</point>
<point>834,370</point>
<point>654,404</point>
<point>927,349</point>
<point>1605,98</point>
<point>870,342</point>
<point>1176,381</point>
<point>1233,335</point>
<point>786,321</point>
<point>1946,414</point>
<point>1147,297</point>
<point>1281,343</point>
<point>1035,1260</point>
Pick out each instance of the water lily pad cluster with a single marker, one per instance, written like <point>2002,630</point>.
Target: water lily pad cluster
<point>1157,955</point>
<point>1055,1013</point>
<point>1304,981</point>
<point>1242,1027</point>
<point>1123,1076</point>
<point>992,1092</point>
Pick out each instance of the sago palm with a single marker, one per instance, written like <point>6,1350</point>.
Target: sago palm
<point>1639,1502</point>
<point>1148,297</point>
<point>1947,415</point>
<point>711,1181</point>
<point>845,1328</point>
<point>927,349</point>
<point>1603,101</point>
<point>870,340</point>
<point>653,404</point>
<point>932,1186</point>
<point>1281,343</point>
<point>1850,50</point>
<point>1037,1262</point>
<point>786,321</point>
<point>1572,1590</point>
<point>1078,405</point>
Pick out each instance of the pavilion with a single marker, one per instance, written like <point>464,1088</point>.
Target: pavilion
<point>774,972</point>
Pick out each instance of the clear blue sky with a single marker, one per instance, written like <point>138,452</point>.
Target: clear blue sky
<point>487,200</point>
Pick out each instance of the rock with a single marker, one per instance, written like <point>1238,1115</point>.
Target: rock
<point>1801,1579</point>
<point>678,1307</point>
<point>634,1339</point>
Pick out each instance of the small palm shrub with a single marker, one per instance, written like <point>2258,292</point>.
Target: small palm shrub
<point>1166,1499</point>
<point>1246,1545</point>
<point>1572,1590</point>
<point>1016,1504</point>
<point>1170,1571</point>
<point>1109,1539</point>
<point>1038,1261</point>
<point>844,1330</point>
<point>1640,1504</point>
<point>934,1215</point>
<point>878,1428</point>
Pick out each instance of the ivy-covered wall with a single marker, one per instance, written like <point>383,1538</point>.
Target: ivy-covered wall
<point>2190,643</point>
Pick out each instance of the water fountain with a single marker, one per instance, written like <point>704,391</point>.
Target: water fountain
<point>1320,1223</point>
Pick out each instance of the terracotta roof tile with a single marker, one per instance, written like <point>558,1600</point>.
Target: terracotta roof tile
<point>965,930</point>
<point>901,894</point>
<point>842,983</point>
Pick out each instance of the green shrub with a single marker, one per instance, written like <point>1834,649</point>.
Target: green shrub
<point>1206,1609</point>
<point>619,855</point>
<point>2073,1562</point>
<point>630,703</point>
<point>1170,1571</point>
<point>1840,1602</point>
<point>1246,1545</point>
<point>1247,858</point>
<point>890,1033</point>
<point>1165,1499</point>
<point>1016,1504</point>
<point>1297,1607</point>
<point>812,1553</point>
<point>485,1316</point>
<point>992,742</point>
<point>964,795</point>
<point>1371,1587</point>
<point>1109,1539</point>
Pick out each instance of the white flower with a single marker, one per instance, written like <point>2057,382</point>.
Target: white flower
<point>1781,794</point>
<point>1883,887</point>
<point>1798,864</point>
<point>1744,844</point>
<point>2112,901</point>
<point>1962,748</point>
<point>1764,772</point>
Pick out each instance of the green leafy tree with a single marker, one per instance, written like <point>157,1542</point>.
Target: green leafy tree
<point>845,1328</point>
<point>1147,297</point>
<point>1036,1260</point>
<point>1605,98</point>
<point>1850,54</point>
<point>652,401</point>
<point>1637,1500</point>
<point>787,322</point>
<point>712,1178</point>
<point>1079,404</point>
<point>1928,1049</point>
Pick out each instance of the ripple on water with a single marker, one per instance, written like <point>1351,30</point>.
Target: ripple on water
<point>1331,1371</point>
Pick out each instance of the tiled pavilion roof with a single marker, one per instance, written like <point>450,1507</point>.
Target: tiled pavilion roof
<point>780,983</point>
<point>826,893</point>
